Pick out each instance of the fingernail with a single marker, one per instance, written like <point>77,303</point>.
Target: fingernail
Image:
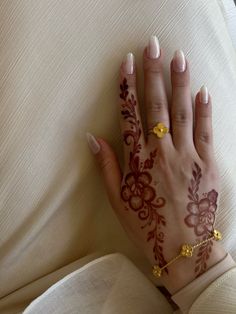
<point>153,47</point>
<point>179,63</point>
<point>129,63</point>
<point>204,96</point>
<point>93,143</point>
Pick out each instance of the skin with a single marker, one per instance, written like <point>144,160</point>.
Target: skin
<point>167,193</point>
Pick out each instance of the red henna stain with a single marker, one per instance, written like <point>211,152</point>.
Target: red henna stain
<point>201,217</point>
<point>137,190</point>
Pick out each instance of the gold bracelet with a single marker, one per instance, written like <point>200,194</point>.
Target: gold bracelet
<point>186,251</point>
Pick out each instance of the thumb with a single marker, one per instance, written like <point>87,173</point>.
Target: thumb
<point>109,165</point>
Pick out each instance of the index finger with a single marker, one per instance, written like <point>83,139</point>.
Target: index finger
<point>130,119</point>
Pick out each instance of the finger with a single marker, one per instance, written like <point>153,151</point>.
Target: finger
<point>181,109</point>
<point>203,136</point>
<point>109,167</point>
<point>155,93</point>
<point>130,119</point>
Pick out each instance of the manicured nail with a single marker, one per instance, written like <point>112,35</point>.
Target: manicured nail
<point>129,63</point>
<point>204,95</point>
<point>179,63</point>
<point>93,143</point>
<point>153,48</point>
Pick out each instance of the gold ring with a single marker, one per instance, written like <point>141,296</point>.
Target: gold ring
<point>160,130</point>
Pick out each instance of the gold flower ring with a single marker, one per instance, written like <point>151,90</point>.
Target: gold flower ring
<point>160,130</point>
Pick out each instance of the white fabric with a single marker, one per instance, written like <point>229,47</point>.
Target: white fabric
<point>187,295</point>
<point>110,284</point>
<point>59,79</point>
<point>219,297</point>
<point>229,11</point>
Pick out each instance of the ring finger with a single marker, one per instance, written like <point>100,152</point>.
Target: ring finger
<point>181,109</point>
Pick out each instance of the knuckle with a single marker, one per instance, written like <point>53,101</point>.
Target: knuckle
<point>181,83</point>
<point>131,81</point>
<point>153,66</point>
<point>205,113</point>
<point>105,163</point>
<point>180,118</point>
<point>154,70</point>
<point>180,80</point>
<point>204,137</point>
<point>129,78</point>
<point>156,106</point>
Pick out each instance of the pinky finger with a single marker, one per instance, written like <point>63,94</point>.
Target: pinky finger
<point>203,135</point>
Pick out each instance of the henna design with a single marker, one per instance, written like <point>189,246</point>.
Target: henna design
<point>203,255</point>
<point>201,217</point>
<point>137,190</point>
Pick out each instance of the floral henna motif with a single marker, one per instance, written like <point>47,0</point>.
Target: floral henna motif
<point>137,189</point>
<point>201,217</point>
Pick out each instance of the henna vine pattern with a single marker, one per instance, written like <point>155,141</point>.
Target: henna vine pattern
<point>201,217</point>
<point>137,190</point>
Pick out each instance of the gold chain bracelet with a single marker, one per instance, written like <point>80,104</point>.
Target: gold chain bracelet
<point>186,251</point>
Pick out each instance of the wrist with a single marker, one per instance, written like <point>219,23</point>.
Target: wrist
<point>182,271</point>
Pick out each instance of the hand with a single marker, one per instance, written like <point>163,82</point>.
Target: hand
<point>169,190</point>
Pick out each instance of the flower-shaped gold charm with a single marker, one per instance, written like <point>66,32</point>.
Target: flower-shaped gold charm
<point>156,270</point>
<point>186,250</point>
<point>217,235</point>
<point>160,130</point>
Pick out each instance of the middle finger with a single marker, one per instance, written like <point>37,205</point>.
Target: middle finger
<point>155,94</point>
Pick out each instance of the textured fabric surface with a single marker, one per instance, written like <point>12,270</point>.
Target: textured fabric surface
<point>219,297</point>
<point>112,284</point>
<point>59,79</point>
<point>186,296</point>
<point>229,11</point>
<point>102,286</point>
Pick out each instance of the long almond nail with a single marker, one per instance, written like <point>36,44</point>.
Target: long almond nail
<point>93,143</point>
<point>153,48</point>
<point>129,63</point>
<point>204,96</point>
<point>179,63</point>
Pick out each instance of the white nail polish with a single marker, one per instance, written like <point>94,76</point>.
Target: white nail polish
<point>153,47</point>
<point>204,96</point>
<point>179,63</point>
<point>129,63</point>
<point>93,143</point>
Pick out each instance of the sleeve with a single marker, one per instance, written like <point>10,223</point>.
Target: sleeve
<point>209,293</point>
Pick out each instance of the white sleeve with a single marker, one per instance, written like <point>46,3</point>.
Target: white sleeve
<point>219,297</point>
<point>188,295</point>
